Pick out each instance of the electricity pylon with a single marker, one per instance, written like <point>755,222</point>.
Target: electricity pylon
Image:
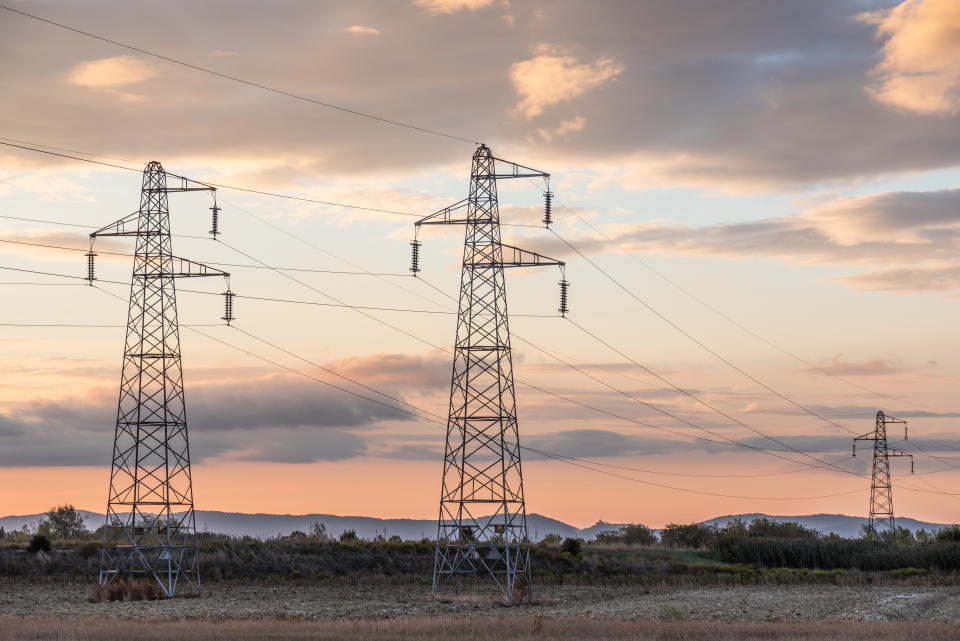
<point>482,526</point>
<point>881,491</point>
<point>150,526</point>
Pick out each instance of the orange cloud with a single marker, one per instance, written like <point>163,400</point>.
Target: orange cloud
<point>108,73</point>
<point>920,70</point>
<point>567,126</point>
<point>361,30</point>
<point>437,7</point>
<point>552,77</point>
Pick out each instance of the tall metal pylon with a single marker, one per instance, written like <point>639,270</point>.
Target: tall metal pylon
<point>150,529</point>
<point>881,490</point>
<point>482,527</point>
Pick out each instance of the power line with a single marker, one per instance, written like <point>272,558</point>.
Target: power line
<point>212,184</point>
<point>243,81</point>
<point>697,341</point>
<point>821,462</point>
<point>734,322</point>
<point>422,340</point>
<point>577,463</point>
<point>280,365</point>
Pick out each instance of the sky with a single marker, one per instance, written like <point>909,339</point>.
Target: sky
<point>757,202</point>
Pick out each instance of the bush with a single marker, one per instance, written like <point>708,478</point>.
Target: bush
<point>950,533</point>
<point>63,522</point>
<point>777,530</point>
<point>120,590</point>
<point>349,536</point>
<point>571,546</point>
<point>39,543</point>
<point>629,535</point>
<point>694,535</point>
<point>836,553</point>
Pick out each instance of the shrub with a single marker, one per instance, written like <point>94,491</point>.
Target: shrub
<point>121,590</point>
<point>349,536</point>
<point>88,551</point>
<point>319,531</point>
<point>629,535</point>
<point>552,539</point>
<point>63,522</point>
<point>950,533</point>
<point>694,535</point>
<point>39,543</point>
<point>785,530</point>
<point>571,546</point>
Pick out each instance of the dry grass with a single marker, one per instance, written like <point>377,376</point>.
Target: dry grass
<point>517,629</point>
<point>120,590</point>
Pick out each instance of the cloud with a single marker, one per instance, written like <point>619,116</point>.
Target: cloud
<point>565,127</point>
<point>553,76</point>
<point>271,418</point>
<point>912,237</point>
<point>920,69</point>
<point>771,99</point>
<point>595,443</point>
<point>875,367</point>
<point>108,73</point>
<point>360,30</point>
<point>907,279</point>
<point>437,7</point>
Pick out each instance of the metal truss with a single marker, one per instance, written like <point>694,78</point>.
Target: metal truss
<point>150,526</point>
<point>482,528</point>
<point>881,490</point>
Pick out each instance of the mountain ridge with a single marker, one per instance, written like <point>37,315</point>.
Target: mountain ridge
<point>265,525</point>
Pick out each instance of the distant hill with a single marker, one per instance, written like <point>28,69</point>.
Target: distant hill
<point>269,525</point>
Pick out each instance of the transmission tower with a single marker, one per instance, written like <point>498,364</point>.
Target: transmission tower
<point>881,491</point>
<point>482,527</point>
<point>150,526</point>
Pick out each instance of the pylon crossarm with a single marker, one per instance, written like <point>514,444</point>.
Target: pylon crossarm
<point>184,268</point>
<point>893,452</point>
<point>511,170</point>
<point>181,183</point>
<point>126,226</point>
<point>516,257</point>
<point>446,215</point>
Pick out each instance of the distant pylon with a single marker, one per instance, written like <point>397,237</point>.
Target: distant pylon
<point>482,528</point>
<point>150,526</point>
<point>881,490</point>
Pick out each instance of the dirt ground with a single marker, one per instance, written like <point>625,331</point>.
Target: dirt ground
<point>321,602</point>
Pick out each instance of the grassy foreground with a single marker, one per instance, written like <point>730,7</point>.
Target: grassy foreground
<point>534,629</point>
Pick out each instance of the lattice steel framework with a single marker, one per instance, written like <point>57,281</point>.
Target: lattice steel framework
<point>150,526</point>
<point>482,527</point>
<point>881,490</point>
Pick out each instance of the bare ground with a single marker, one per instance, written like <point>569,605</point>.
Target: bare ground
<point>468,629</point>
<point>335,602</point>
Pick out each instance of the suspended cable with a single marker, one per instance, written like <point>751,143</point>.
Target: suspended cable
<point>219,185</point>
<point>737,324</point>
<point>243,81</point>
<point>697,341</point>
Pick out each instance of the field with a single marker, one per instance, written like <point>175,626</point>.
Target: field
<point>313,587</point>
<point>336,610</point>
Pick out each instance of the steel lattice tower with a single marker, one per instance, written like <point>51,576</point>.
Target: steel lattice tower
<point>881,490</point>
<point>150,526</point>
<point>482,527</point>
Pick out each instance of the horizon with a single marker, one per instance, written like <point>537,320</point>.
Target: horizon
<point>760,219</point>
